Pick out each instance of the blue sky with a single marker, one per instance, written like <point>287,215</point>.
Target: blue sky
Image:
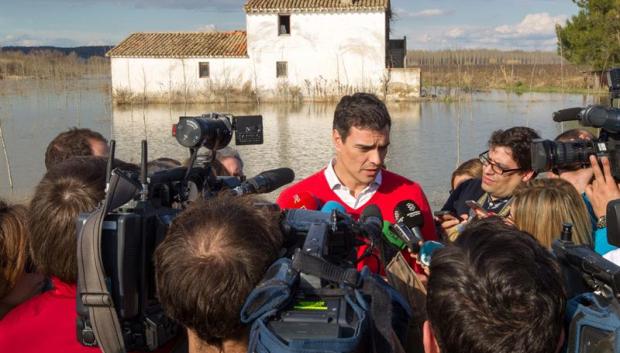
<point>428,24</point>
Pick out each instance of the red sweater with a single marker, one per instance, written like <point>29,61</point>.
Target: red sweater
<point>394,189</point>
<point>44,323</point>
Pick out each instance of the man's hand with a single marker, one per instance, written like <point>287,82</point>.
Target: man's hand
<point>603,188</point>
<point>449,222</point>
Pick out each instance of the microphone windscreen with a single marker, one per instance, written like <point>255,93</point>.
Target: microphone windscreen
<point>568,114</point>
<point>371,211</point>
<point>303,200</point>
<point>408,213</point>
<point>392,238</point>
<point>333,205</point>
<point>275,178</point>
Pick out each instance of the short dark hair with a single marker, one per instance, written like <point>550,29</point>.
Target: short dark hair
<point>214,254</point>
<point>362,110</point>
<point>71,143</point>
<point>496,289</point>
<point>69,188</point>
<point>575,134</point>
<point>519,140</point>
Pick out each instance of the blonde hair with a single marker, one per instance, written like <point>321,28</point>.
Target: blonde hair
<point>541,206</point>
<point>13,245</point>
<point>472,167</point>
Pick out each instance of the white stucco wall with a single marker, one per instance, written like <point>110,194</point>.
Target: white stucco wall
<point>163,76</point>
<point>324,48</point>
<point>404,83</point>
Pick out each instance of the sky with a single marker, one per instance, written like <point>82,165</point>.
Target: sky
<point>428,24</point>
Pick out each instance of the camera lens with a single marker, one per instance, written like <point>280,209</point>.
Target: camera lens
<point>211,132</point>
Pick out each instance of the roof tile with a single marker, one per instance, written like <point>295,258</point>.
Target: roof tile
<point>197,44</point>
<point>315,5</point>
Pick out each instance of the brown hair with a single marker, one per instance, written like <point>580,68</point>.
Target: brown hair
<point>72,143</point>
<point>519,140</point>
<point>472,167</point>
<point>541,206</point>
<point>13,245</point>
<point>214,254</point>
<point>362,110</point>
<point>69,188</point>
<point>495,290</point>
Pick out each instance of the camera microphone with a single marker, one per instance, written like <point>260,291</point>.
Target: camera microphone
<point>568,114</point>
<point>266,181</point>
<point>408,213</point>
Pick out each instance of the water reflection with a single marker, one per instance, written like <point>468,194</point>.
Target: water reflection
<point>428,139</point>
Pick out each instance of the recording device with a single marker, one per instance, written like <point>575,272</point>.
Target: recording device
<point>548,155</point>
<point>593,283</point>
<point>314,297</point>
<point>117,305</point>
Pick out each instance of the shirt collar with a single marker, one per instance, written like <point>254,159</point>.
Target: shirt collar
<point>334,182</point>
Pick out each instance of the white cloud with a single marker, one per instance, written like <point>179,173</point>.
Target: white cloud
<point>535,31</point>
<point>423,13</point>
<point>533,24</point>
<point>207,28</point>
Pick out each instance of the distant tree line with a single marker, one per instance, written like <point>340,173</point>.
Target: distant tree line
<point>46,64</point>
<point>475,57</point>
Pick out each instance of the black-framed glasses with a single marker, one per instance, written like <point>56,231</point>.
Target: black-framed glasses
<point>485,160</point>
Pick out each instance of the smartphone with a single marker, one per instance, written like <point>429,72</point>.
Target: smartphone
<point>441,213</point>
<point>476,207</point>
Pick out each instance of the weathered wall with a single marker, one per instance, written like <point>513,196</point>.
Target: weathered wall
<point>326,52</point>
<point>167,79</point>
<point>403,83</point>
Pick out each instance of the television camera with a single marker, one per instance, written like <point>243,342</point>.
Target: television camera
<point>548,155</point>
<point>117,305</point>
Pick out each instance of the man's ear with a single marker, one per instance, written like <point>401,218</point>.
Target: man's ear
<point>337,140</point>
<point>527,176</point>
<point>428,338</point>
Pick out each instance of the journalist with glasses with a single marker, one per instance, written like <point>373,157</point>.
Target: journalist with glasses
<point>505,165</point>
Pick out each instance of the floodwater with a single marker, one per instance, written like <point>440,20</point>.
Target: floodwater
<point>428,139</point>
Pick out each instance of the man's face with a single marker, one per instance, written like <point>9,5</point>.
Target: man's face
<point>232,166</point>
<point>360,157</point>
<point>99,148</point>
<point>502,185</point>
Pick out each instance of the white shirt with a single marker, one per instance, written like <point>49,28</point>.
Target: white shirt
<point>344,193</point>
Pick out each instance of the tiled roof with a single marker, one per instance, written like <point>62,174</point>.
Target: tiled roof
<point>179,45</point>
<point>315,5</point>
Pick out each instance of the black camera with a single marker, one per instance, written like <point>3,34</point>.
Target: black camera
<point>117,304</point>
<point>549,155</point>
<point>316,299</point>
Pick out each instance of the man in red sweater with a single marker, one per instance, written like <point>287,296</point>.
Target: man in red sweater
<point>356,177</point>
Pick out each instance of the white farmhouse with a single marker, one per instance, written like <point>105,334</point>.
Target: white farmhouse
<point>292,49</point>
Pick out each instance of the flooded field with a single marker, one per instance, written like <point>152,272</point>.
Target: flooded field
<point>428,139</point>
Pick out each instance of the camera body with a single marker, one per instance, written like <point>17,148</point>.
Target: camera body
<point>123,235</point>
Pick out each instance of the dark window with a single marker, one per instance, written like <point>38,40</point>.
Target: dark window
<point>281,69</point>
<point>284,24</point>
<point>203,69</point>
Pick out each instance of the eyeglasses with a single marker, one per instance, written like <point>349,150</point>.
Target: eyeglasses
<point>497,169</point>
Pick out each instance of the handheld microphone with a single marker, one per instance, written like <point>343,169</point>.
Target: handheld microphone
<point>408,213</point>
<point>330,206</point>
<point>406,236</point>
<point>302,200</point>
<point>266,181</point>
<point>391,238</point>
<point>371,222</point>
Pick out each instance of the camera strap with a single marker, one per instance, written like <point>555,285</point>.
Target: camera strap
<point>91,278</point>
